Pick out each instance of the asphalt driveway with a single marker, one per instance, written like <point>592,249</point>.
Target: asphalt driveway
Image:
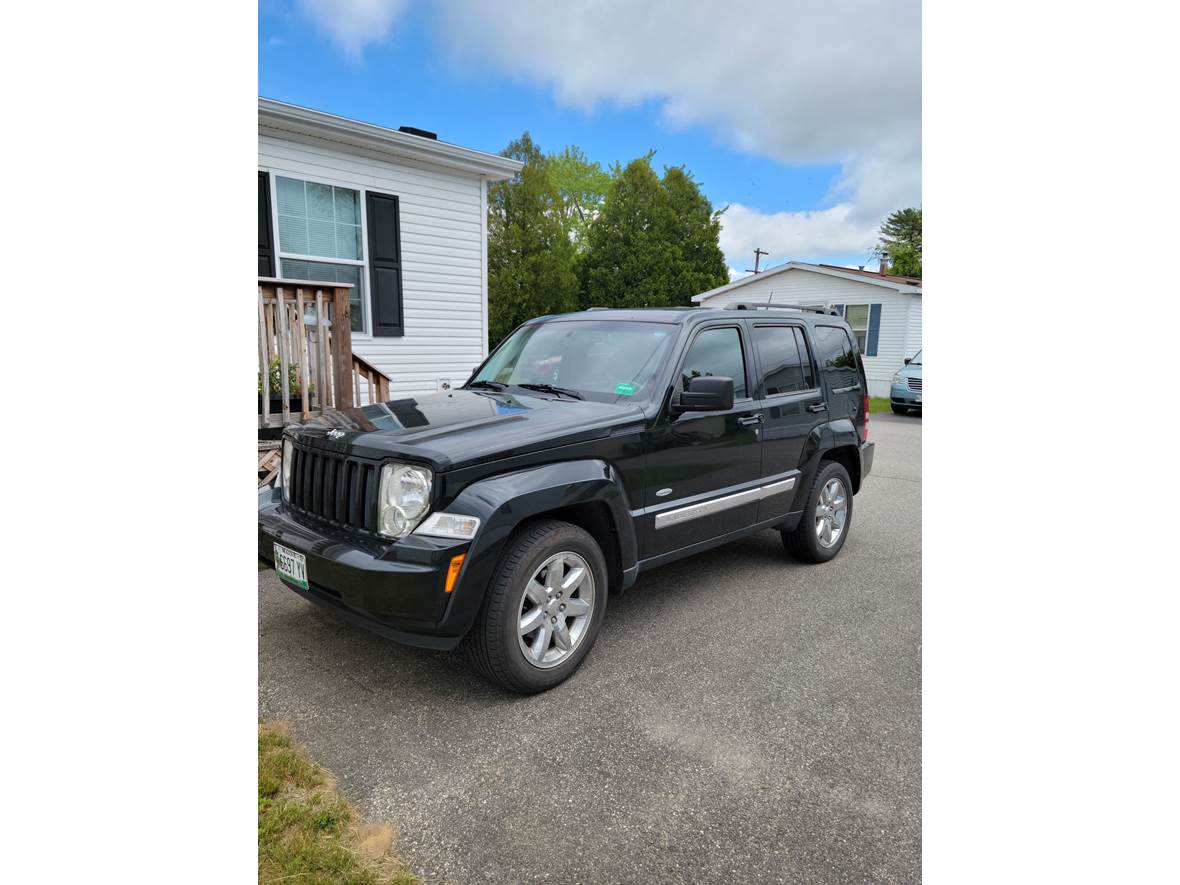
<point>742,718</point>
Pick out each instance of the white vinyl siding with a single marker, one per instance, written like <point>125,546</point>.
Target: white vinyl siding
<point>800,286</point>
<point>442,250</point>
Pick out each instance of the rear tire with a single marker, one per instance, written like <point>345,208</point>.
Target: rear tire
<point>546,566</point>
<point>827,516</point>
<point>898,410</point>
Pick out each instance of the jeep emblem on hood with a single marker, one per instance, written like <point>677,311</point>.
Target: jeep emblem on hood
<point>335,434</point>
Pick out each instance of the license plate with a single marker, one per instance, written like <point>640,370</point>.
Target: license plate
<point>291,565</point>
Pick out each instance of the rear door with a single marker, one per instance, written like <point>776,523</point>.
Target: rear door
<point>703,467</point>
<point>843,376</point>
<point>792,403</point>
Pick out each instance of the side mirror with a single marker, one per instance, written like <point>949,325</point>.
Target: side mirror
<point>907,360</point>
<point>707,394</point>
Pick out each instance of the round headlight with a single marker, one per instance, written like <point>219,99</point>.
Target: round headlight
<point>405,498</point>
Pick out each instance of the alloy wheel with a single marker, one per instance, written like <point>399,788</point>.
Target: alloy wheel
<point>831,513</point>
<point>555,609</point>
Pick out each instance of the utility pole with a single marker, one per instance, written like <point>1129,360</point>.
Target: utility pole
<point>758,253</point>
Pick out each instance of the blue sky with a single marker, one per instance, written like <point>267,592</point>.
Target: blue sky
<point>741,128</point>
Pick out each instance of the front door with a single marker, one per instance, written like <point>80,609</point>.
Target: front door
<point>788,391</point>
<point>702,466</point>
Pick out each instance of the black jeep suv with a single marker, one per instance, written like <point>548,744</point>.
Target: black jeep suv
<point>587,449</point>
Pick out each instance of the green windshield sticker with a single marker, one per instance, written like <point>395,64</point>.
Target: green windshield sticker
<point>624,388</point>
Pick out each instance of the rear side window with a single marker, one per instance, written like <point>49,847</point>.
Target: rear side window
<point>716,352</point>
<point>786,365</point>
<point>837,357</point>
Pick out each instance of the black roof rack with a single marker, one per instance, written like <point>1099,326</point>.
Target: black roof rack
<point>746,305</point>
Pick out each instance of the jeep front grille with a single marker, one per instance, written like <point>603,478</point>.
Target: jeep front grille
<point>335,488</point>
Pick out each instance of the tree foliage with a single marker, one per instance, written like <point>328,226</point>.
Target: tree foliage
<point>530,255</point>
<point>901,241</point>
<point>654,242</point>
<point>582,185</point>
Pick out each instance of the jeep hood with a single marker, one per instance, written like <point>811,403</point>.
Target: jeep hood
<point>453,429</point>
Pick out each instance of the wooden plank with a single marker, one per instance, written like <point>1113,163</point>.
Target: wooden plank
<point>284,358</point>
<point>342,354</point>
<point>326,398</point>
<point>356,388</point>
<point>301,354</point>
<point>264,358</point>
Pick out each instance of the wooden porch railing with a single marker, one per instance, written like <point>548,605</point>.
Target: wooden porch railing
<point>307,328</point>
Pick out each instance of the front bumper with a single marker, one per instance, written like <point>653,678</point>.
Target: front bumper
<point>901,395</point>
<point>395,589</point>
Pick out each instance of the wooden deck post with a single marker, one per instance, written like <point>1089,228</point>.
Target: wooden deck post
<point>284,354</point>
<point>301,355</point>
<point>263,359</point>
<point>342,352</point>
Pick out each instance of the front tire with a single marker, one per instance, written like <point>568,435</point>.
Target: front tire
<point>827,516</point>
<point>543,608</point>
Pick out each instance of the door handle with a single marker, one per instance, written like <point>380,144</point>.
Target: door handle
<point>817,407</point>
<point>747,420</point>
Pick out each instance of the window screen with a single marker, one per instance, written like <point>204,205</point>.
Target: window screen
<point>786,367</point>
<point>716,352</point>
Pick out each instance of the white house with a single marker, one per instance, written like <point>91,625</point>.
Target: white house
<point>400,215</point>
<point>884,310</point>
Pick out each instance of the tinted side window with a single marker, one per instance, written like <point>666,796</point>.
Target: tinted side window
<point>716,352</point>
<point>782,363</point>
<point>837,358</point>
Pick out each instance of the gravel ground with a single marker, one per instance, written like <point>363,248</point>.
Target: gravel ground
<point>742,718</point>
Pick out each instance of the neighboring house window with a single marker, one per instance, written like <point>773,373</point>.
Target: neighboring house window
<point>865,320</point>
<point>320,237</point>
<point>717,352</point>
<point>857,316</point>
<point>785,361</point>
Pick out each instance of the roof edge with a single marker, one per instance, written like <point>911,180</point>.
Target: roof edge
<point>356,133</point>
<point>814,268</point>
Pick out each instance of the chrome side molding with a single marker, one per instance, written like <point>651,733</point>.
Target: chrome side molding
<point>716,505</point>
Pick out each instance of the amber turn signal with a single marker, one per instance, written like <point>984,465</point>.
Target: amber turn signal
<point>453,571</point>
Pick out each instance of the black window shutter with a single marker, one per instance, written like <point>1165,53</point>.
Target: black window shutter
<point>266,249</point>
<point>385,264</point>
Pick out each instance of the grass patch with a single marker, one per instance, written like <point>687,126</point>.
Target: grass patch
<point>307,833</point>
<point>878,404</point>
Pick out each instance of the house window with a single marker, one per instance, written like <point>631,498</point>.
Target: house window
<point>320,237</point>
<point>857,317</point>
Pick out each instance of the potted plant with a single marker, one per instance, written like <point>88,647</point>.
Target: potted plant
<point>294,388</point>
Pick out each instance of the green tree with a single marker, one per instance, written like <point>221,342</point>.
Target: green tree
<point>582,186</point>
<point>901,242</point>
<point>530,255</point>
<point>654,242</point>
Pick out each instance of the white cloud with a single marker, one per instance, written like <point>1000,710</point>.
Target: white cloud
<point>800,82</point>
<point>353,24</point>
<point>800,235</point>
<point>797,81</point>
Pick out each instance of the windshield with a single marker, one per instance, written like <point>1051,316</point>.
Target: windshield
<point>917,360</point>
<point>601,360</point>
